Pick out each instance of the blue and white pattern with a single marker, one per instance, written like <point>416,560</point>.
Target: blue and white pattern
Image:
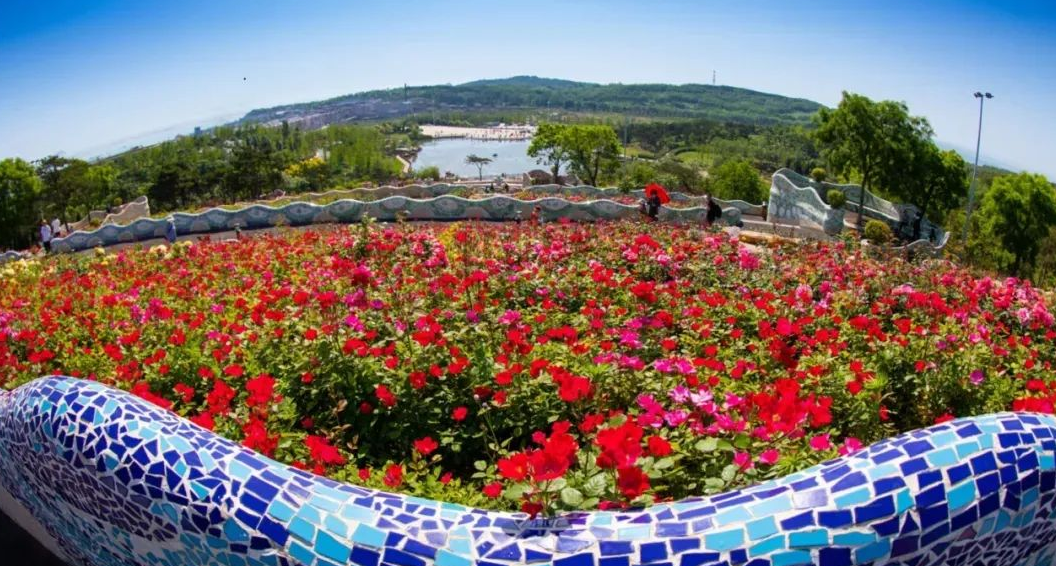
<point>109,480</point>
<point>498,208</point>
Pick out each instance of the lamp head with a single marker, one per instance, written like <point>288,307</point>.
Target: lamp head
<point>988,95</point>
<point>978,95</point>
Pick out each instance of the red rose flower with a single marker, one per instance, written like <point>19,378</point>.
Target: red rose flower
<point>393,475</point>
<point>493,490</point>
<point>658,446</point>
<point>631,482</point>
<point>425,445</point>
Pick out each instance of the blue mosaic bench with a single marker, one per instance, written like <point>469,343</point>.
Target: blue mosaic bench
<point>107,479</point>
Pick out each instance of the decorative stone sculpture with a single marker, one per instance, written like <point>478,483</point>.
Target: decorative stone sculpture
<point>107,479</point>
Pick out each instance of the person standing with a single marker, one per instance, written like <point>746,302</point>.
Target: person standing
<point>170,230</point>
<point>653,206</point>
<point>714,212</point>
<point>45,236</point>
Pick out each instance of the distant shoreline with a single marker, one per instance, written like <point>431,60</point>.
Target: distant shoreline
<point>503,132</point>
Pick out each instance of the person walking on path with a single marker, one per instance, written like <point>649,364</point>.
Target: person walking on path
<point>714,212</point>
<point>45,235</point>
<point>170,230</point>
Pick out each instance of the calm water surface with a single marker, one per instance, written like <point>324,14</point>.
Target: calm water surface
<point>509,157</point>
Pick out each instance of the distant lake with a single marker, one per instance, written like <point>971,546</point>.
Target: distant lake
<point>509,157</point>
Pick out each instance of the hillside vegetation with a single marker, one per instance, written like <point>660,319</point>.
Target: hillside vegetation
<point>720,103</point>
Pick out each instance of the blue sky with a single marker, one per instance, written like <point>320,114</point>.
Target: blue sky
<point>77,77</point>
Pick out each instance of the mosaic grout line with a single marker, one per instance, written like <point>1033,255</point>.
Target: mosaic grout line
<point>113,480</point>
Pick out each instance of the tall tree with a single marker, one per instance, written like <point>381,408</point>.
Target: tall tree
<point>547,147</point>
<point>937,181</point>
<point>479,162</point>
<point>874,140</point>
<point>66,184</point>
<point>736,180</point>
<point>19,189</point>
<point>590,147</point>
<point>1018,211</point>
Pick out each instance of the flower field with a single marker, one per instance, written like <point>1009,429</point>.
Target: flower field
<point>542,368</point>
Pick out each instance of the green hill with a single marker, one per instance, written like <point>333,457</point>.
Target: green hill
<point>718,103</point>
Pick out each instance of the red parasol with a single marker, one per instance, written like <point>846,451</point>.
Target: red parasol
<point>659,190</point>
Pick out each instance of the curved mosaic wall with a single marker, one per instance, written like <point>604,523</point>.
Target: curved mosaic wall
<point>105,479</point>
<point>798,197</point>
<point>12,256</point>
<point>494,208</point>
<point>789,201</point>
<point>441,189</point>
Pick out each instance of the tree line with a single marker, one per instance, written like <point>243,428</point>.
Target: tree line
<point>224,165</point>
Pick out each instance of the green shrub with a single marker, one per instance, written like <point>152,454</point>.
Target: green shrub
<point>878,232</point>
<point>818,174</point>
<point>836,198</point>
<point>431,172</point>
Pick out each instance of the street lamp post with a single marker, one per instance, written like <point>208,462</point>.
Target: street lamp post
<point>975,170</point>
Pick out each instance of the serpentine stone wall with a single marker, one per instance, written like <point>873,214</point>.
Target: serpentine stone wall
<point>104,478</point>
<point>12,256</point>
<point>138,208</point>
<point>797,197</point>
<point>443,208</point>
<point>588,191</point>
<point>796,204</point>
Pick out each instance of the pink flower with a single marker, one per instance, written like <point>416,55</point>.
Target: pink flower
<point>743,460</point>
<point>676,417</point>
<point>769,457</point>
<point>850,445</point>
<point>821,442</point>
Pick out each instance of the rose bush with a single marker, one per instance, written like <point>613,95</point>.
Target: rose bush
<point>512,366</point>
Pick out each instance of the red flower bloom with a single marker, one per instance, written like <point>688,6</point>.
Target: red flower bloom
<point>261,389</point>
<point>186,392</point>
<point>233,370</point>
<point>425,445</point>
<point>620,445</point>
<point>204,420</point>
<point>459,414</point>
<point>658,446</point>
<point>532,508</point>
<point>493,490</point>
<point>385,395</point>
<point>142,390</point>
<point>631,482</point>
<point>514,467</point>
<point>321,452</point>
<point>393,475</point>
<point>257,437</point>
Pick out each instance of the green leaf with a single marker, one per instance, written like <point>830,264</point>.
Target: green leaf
<point>729,472</point>
<point>572,497</point>
<point>595,485</point>
<point>515,492</point>
<point>664,463</point>
<point>708,444</point>
<point>557,485</point>
<point>480,465</point>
